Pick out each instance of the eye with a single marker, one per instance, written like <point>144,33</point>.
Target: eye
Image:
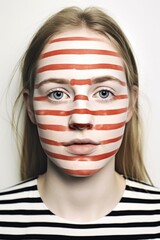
<point>103,94</point>
<point>57,95</point>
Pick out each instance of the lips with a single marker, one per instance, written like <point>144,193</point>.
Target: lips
<point>81,146</point>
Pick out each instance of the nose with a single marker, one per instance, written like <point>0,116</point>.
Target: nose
<point>81,118</point>
<point>80,126</point>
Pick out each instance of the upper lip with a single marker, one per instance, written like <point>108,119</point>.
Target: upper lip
<point>81,141</point>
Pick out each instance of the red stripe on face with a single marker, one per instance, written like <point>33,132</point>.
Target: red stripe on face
<point>81,97</point>
<point>82,158</point>
<point>109,126</point>
<point>79,51</point>
<point>111,140</point>
<point>80,67</point>
<point>52,127</point>
<point>80,111</point>
<point>81,172</point>
<point>56,143</point>
<point>74,39</point>
<point>51,142</point>
<point>81,82</point>
<point>40,98</point>
<point>72,82</point>
<point>121,97</point>
<point>63,128</point>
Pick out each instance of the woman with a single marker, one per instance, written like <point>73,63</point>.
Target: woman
<point>81,156</point>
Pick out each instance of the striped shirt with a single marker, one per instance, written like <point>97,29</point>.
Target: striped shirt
<point>23,215</point>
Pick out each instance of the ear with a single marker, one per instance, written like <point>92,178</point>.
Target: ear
<point>29,108</point>
<point>132,102</point>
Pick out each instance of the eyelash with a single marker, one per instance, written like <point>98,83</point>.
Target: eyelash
<point>57,91</point>
<point>108,97</point>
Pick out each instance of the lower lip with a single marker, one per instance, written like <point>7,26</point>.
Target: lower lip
<point>81,149</point>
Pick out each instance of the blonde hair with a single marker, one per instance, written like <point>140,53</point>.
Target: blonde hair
<point>129,160</point>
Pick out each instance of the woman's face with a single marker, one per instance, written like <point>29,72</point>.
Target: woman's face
<point>80,101</point>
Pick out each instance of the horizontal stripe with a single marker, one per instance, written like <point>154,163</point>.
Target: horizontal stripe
<point>21,200</point>
<point>56,143</point>
<point>79,59</point>
<point>52,127</point>
<point>81,158</point>
<point>81,74</point>
<point>134,212</point>
<point>82,226</point>
<point>136,189</point>
<point>65,39</point>
<point>40,98</point>
<point>146,188</point>
<point>104,220</point>
<point>68,237</point>
<point>89,82</point>
<point>78,97</point>
<point>112,140</point>
<point>81,172</point>
<point>22,212</point>
<point>81,97</point>
<point>119,97</point>
<point>62,128</point>
<point>86,122</point>
<point>19,190</point>
<point>79,67</point>
<point>80,111</point>
<point>80,165</point>
<point>51,142</point>
<point>109,126</point>
<point>80,82</point>
<point>78,51</point>
<point>137,200</point>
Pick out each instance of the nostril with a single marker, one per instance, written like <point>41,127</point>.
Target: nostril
<point>80,126</point>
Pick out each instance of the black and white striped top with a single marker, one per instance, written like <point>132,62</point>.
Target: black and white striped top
<point>23,215</point>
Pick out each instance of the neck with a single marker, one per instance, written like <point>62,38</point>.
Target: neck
<point>81,199</point>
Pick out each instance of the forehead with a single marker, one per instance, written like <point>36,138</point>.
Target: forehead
<point>82,38</point>
<point>80,53</point>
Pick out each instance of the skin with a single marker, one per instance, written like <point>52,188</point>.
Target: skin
<point>80,106</point>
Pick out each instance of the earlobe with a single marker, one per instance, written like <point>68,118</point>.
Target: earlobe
<point>132,103</point>
<point>29,109</point>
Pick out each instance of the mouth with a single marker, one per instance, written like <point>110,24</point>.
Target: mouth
<point>81,146</point>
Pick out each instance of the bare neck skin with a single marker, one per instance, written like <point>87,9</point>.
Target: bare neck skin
<point>81,199</point>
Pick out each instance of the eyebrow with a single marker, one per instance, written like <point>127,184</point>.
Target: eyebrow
<point>108,78</point>
<point>50,80</point>
<point>94,81</point>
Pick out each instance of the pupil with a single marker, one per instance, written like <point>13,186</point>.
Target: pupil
<point>58,95</point>
<point>104,93</point>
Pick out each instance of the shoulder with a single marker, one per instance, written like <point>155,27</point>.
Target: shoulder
<point>143,191</point>
<point>19,191</point>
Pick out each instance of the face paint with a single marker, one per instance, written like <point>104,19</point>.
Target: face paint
<point>80,102</point>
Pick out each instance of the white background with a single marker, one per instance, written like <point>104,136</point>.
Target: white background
<point>140,20</point>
